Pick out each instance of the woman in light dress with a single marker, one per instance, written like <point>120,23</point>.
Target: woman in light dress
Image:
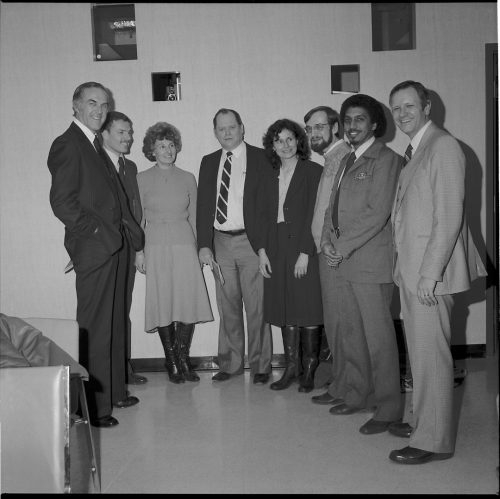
<point>176,293</point>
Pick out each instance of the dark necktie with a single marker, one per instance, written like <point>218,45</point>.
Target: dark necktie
<point>103,155</point>
<point>408,151</point>
<point>224,190</point>
<point>335,210</point>
<point>121,169</point>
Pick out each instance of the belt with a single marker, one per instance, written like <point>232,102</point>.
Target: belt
<point>232,232</point>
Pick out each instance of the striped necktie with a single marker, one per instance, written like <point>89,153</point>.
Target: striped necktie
<point>408,151</point>
<point>224,190</point>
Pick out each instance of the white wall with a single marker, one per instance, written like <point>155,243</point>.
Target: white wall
<point>266,60</point>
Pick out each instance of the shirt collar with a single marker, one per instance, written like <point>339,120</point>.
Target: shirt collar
<point>112,154</point>
<point>363,147</point>
<point>90,134</point>
<point>331,147</point>
<point>418,137</point>
<point>237,151</point>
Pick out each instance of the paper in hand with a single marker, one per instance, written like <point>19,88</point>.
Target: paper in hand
<point>218,273</point>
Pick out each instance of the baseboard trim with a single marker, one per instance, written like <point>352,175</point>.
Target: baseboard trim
<point>209,363</point>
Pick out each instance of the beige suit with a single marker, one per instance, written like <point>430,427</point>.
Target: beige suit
<point>432,240</point>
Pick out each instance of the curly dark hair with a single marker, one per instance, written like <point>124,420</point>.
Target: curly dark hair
<point>372,107</point>
<point>303,149</point>
<point>160,131</point>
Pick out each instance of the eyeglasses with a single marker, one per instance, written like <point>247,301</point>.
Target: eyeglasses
<point>317,128</point>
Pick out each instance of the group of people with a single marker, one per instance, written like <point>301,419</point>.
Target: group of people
<point>313,249</point>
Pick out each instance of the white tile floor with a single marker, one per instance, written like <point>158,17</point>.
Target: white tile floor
<point>235,437</point>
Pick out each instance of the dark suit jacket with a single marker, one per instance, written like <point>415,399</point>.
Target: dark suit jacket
<point>85,199</point>
<point>366,195</point>
<point>131,188</point>
<point>298,209</point>
<point>207,195</point>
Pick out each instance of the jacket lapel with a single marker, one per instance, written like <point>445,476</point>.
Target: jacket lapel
<point>408,172</point>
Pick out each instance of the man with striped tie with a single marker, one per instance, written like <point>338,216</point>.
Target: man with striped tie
<point>226,233</point>
<point>434,259</point>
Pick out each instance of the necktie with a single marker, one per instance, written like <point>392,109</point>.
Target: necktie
<point>335,210</point>
<point>408,151</point>
<point>121,169</point>
<point>224,190</point>
<point>102,154</point>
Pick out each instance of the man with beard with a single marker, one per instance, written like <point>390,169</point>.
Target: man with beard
<point>323,130</point>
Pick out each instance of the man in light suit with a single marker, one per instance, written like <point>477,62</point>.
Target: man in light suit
<point>324,132</point>
<point>227,234</point>
<point>357,247</point>
<point>434,259</point>
<point>117,138</point>
<point>85,195</point>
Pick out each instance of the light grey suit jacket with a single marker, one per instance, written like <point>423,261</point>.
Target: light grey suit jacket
<point>431,236</point>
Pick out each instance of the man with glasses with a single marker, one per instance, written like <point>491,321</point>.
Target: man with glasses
<point>323,130</point>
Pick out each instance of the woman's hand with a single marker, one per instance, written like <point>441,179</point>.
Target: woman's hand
<point>139,262</point>
<point>300,269</point>
<point>264,263</point>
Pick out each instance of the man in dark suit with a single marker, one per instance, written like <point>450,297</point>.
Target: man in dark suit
<point>86,196</point>
<point>117,138</point>
<point>227,232</point>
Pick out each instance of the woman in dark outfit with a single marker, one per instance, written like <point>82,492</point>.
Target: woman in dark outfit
<point>288,259</point>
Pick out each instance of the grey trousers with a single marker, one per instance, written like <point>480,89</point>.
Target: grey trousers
<point>428,336</point>
<point>243,287</point>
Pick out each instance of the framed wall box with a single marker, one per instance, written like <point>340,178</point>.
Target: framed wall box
<point>345,78</point>
<point>166,86</point>
<point>393,26</point>
<point>113,30</point>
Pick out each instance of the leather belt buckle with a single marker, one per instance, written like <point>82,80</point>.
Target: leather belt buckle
<point>233,232</point>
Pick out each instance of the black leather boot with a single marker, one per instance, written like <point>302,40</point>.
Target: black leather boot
<point>167,337</point>
<point>310,339</point>
<point>184,337</point>
<point>291,340</point>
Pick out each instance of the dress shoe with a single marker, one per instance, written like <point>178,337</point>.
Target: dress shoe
<point>373,426</point>
<point>127,402</point>
<point>343,410</point>
<point>400,429</point>
<point>412,455</point>
<point>221,376</point>
<point>260,378</point>
<point>326,399</point>
<point>104,422</point>
<point>137,379</point>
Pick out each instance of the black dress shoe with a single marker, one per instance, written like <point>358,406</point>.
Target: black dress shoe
<point>373,426</point>
<point>326,399</point>
<point>221,376</point>
<point>104,422</point>
<point>343,410</point>
<point>127,402</point>
<point>260,378</point>
<point>412,455</point>
<point>400,429</point>
<point>137,379</point>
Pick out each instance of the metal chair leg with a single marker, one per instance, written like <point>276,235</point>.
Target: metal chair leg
<point>96,479</point>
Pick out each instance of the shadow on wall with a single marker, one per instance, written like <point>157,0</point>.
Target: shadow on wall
<point>473,203</point>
